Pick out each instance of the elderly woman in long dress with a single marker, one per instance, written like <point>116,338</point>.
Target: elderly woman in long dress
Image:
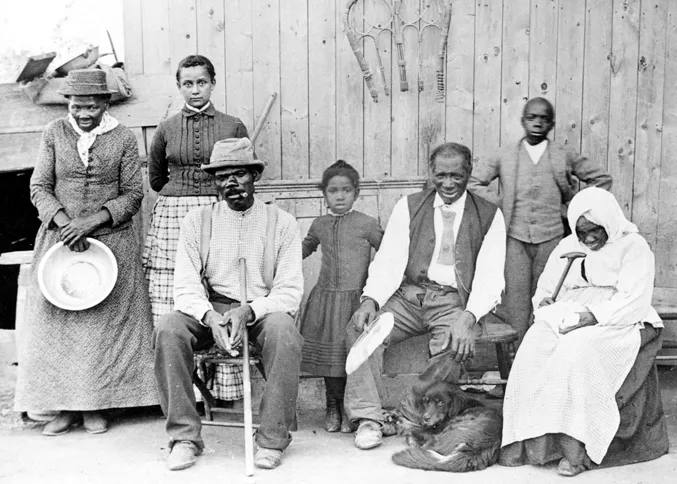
<point>584,389</point>
<point>87,183</point>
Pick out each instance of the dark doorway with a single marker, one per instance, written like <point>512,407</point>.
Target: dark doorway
<point>18,225</point>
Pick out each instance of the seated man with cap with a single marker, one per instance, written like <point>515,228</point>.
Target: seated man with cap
<point>238,230</point>
<point>439,270</point>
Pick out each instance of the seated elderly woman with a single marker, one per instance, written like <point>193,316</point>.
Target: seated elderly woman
<point>584,387</point>
<point>87,183</point>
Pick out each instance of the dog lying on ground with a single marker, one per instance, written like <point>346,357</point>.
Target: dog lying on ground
<point>449,431</point>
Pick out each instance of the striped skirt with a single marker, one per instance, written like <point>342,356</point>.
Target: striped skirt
<point>159,254</point>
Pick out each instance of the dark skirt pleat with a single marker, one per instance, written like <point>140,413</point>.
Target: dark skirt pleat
<point>323,326</point>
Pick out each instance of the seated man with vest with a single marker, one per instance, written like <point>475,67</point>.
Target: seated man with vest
<point>439,270</point>
<point>218,314</point>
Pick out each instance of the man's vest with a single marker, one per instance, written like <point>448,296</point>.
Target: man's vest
<point>478,216</point>
<point>537,212</point>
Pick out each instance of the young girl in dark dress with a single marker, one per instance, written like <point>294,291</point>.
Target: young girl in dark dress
<point>347,237</point>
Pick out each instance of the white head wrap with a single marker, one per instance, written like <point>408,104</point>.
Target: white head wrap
<point>600,207</point>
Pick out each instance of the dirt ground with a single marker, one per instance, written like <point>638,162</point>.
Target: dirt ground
<point>134,449</point>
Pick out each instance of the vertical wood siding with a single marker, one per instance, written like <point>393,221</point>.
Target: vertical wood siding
<point>609,67</point>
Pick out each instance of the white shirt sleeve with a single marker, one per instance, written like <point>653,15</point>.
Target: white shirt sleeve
<point>386,271</point>
<point>489,280</point>
<point>189,293</point>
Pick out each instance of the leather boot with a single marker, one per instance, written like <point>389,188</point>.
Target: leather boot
<point>332,419</point>
<point>62,423</point>
<point>347,427</point>
<point>95,422</point>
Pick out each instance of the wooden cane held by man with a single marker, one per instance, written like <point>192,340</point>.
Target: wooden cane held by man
<point>246,380</point>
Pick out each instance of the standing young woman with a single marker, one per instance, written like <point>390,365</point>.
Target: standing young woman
<point>181,144</point>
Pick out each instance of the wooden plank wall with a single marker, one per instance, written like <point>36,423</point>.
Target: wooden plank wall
<point>609,67</point>
<point>604,65</point>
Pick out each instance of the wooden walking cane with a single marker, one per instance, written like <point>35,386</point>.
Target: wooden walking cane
<point>570,257</point>
<point>264,115</point>
<point>246,381</point>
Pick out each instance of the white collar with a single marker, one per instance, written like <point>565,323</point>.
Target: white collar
<point>338,214</point>
<point>536,151</point>
<point>203,108</point>
<point>457,206</point>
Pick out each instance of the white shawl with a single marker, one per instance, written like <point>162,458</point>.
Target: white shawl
<point>87,138</point>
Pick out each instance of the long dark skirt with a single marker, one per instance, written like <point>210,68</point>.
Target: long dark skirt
<point>642,434</point>
<point>93,359</point>
<point>323,327</point>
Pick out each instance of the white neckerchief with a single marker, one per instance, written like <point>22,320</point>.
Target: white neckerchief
<point>87,138</point>
<point>203,108</point>
<point>536,151</point>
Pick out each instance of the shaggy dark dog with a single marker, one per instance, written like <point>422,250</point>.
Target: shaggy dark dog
<point>449,431</point>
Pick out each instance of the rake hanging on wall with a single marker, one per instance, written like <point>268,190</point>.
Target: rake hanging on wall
<point>358,28</point>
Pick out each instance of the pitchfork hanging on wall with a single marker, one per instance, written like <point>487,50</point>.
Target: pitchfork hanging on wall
<point>396,25</point>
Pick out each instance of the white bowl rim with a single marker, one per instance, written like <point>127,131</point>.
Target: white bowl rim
<point>91,303</point>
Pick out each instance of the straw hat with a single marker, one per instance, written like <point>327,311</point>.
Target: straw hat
<point>232,153</point>
<point>86,82</point>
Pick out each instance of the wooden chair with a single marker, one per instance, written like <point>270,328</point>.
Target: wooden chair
<point>503,337</point>
<point>204,374</point>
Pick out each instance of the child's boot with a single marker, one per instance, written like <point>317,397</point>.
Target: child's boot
<point>332,419</point>
<point>347,427</point>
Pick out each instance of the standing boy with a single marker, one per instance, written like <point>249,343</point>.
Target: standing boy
<point>535,179</point>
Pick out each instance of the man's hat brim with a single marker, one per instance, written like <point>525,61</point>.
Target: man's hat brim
<point>94,92</point>
<point>211,168</point>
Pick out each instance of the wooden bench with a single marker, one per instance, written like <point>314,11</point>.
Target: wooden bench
<point>668,355</point>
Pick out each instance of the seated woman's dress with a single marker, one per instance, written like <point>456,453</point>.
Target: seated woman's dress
<point>597,384</point>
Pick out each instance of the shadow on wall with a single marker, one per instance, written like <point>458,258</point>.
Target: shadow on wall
<point>18,225</point>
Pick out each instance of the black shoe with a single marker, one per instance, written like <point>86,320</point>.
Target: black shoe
<point>332,419</point>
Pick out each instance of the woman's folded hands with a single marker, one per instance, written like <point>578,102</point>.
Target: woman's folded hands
<point>586,318</point>
<point>74,232</point>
